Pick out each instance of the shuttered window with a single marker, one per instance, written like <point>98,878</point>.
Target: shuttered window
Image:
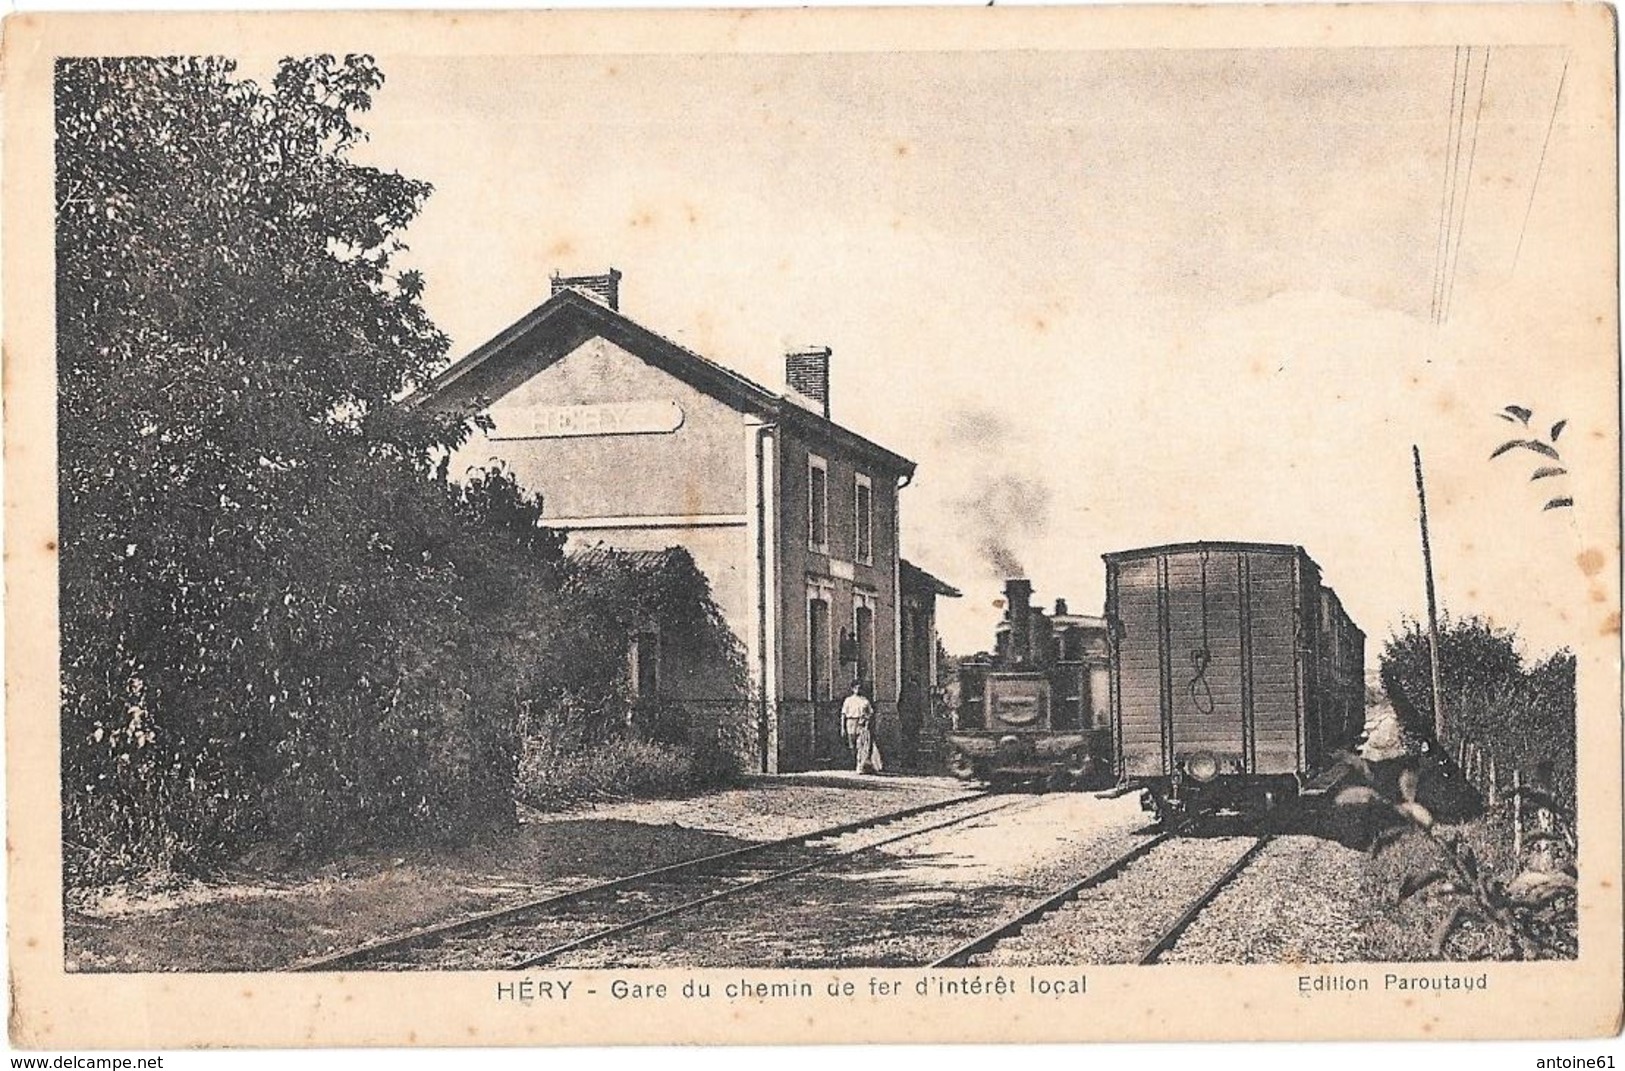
<point>817,504</point>
<point>863,541</point>
<point>644,655</point>
<point>863,629</point>
<point>819,677</point>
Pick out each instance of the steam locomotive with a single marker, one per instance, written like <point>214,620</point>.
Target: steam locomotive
<point>1222,676</point>
<point>1037,707</point>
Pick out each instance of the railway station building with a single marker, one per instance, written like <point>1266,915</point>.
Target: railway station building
<point>638,444</point>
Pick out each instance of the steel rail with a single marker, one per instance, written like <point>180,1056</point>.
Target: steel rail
<point>1172,933</point>
<point>734,890</point>
<point>959,956</point>
<point>361,953</point>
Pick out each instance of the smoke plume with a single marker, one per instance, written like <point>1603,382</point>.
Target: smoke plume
<point>1005,511</point>
<point>1005,508</point>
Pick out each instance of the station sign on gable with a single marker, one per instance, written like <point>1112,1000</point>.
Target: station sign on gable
<point>590,419</point>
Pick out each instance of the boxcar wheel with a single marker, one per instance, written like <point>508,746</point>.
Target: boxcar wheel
<point>961,766</point>
<point>1165,812</point>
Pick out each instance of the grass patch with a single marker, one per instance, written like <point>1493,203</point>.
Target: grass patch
<point>1404,930</point>
<point>268,924</point>
<point>1408,928</point>
<point>553,773</point>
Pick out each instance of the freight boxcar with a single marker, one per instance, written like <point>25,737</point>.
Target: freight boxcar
<point>1236,676</point>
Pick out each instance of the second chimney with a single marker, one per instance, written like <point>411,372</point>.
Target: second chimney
<point>807,373</point>
<point>604,289</point>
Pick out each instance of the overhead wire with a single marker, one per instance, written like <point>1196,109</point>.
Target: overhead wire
<point>1445,194</point>
<point>1453,263</point>
<point>1534,185</point>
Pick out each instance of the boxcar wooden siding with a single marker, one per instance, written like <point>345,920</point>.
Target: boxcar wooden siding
<point>1137,669</point>
<point>1232,649</point>
<point>1204,603</point>
<point>1341,674</point>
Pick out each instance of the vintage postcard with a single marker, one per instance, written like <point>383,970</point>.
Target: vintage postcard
<point>769,526</point>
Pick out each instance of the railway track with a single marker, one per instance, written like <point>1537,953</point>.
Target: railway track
<point>1168,937</point>
<point>1072,898</point>
<point>538,931</point>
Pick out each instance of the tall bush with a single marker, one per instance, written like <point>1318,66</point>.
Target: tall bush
<point>605,598</point>
<point>1524,714</point>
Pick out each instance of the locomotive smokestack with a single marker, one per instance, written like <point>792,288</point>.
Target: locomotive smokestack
<point>1018,594</point>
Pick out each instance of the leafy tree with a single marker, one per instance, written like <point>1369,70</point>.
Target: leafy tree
<point>281,626</point>
<point>259,608</point>
<point>492,498</point>
<point>1471,651</point>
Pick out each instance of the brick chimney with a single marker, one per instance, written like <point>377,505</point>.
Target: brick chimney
<point>807,373</point>
<point>604,289</point>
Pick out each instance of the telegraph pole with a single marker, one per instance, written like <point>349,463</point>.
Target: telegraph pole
<point>1433,606</point>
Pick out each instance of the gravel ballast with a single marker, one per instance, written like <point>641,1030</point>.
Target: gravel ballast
<point>1298,901</point>
<point>269,920</point>
<point>1117,920</point>
<point>902,904</point>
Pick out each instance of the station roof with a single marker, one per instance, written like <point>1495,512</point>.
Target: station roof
<point>913,577</point>
<point>569,318</point>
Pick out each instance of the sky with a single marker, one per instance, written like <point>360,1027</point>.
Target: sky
<point>1105,299</point>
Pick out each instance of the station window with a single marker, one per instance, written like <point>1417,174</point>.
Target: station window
<point>817,503</point>
<point>864,527</point>
<point>1070,708</point>
<point>863,630</point>
<point>819,675</point>
<point>644,655</point>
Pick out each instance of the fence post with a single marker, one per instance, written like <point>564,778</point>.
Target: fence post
<point>1546,852</point>
<point>1544,856</point>
<point>1517,817</point>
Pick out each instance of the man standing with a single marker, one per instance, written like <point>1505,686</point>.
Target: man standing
<point>858,727</point>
